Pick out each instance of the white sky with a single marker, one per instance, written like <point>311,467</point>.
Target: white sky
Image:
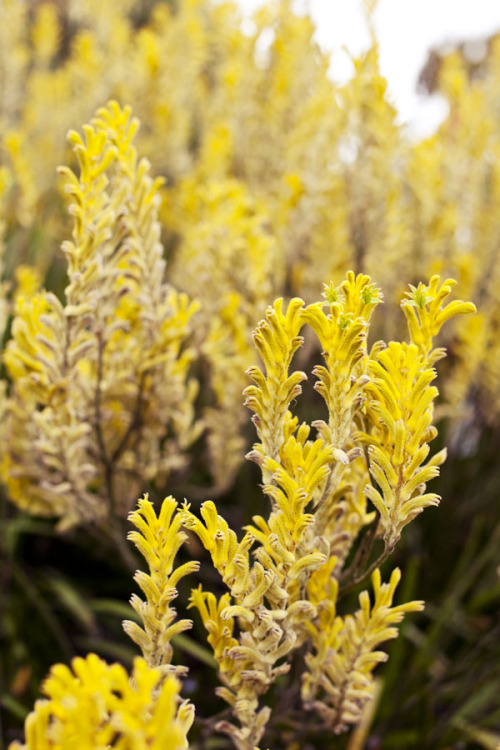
<point>406,29</point>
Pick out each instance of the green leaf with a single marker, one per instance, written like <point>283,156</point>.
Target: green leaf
<point>481,698</point>
<point>488,740</point>
<point>14,707</point>
<point>115,608</point>
<point>73,601</point>
<point>21,524</point>
<point>28,585</point>
<point>106,649</point>
<point>191,647</point>
<point>404,738</point>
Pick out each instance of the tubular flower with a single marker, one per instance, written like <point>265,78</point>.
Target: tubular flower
<point>318,489</point>
<point>276,340</point>
<point>258,602</point>
<point>425,314</point>
<point>5,179</point>
<point>158,539</point>
<point>277,178</point>
<point>401,409</point>
<point>342,334</point>
<point>225,244</point>
<point>252,204</point>
<point>99,705</point>
<point>285,574</point>
<point>101,399</point>
<point>345,653</point>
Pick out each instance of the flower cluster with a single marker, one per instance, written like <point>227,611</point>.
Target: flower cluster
<point>277,178</point>
<point>285,576</point>
<point>99,705</point>
<point>100,399</point>
<point>319,488</point>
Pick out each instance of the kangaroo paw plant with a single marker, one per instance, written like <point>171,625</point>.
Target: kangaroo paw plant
<point>361,478</point>
<point>100,400</point>
<point>340,491</point>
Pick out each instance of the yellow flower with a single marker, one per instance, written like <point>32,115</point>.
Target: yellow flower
<point>96,705</point>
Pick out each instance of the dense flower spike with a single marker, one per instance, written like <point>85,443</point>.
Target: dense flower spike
<point>277,177</point>
<point>401,411</point>
<point>247,665</point>
<point>286,597</point>
<point>425,314</point>
<point>4,305</point>
<point>158,539</point>
<point>276,339</point>
<point>225,244</point>
<point>345,652</point>
<point>98,705</point>
<point>109,369</point>
<point>342,334</point>
<point>284,576</point>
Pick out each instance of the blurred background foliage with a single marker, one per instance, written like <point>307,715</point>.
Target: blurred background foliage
<point>277,180</point>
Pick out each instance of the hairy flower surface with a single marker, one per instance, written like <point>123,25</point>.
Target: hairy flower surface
<point>285,575</point>
<point>101,400</point>
<point>277,177</point>
<point>96,705</point>
<point>158,538</point>
<point>334,497</point>
<point>126,375</point>
<point>344,649</point>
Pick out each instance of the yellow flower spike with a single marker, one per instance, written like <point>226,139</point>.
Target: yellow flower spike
<point>98,705</point>
<point>310,562</point>
<point>276,339</point>
<point>219,624</point>
<point>158,539</point>
<point>109,368</point>
<point>346,681</point>
<point>247,666</point>
<point>220,541</point>
<point>375,447</point>
<point>225,244</point>
<point>262,582</point>
<point>425,314</point>
<point>45,33</point>
<point>322,586</point>
<point>26,353</point>
<point>291,494</point>
<point>401,408</point>
<point>28,282</point>
<point>307,463</point>
<point>311,205</point>
<point>342,334</point>
<point>360,295</point>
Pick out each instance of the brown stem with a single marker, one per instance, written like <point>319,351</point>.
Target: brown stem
<point>328,485</point>
<point>208,727</point>
<point>98,400</point>
<point>113,528</point>
<point>110,461</point>
<point>134,422</point>
<point>123,549</point>
<point>363,552</point>
<point>367,573</point>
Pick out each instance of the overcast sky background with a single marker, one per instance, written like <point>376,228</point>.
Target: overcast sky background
<point>406,29</point>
